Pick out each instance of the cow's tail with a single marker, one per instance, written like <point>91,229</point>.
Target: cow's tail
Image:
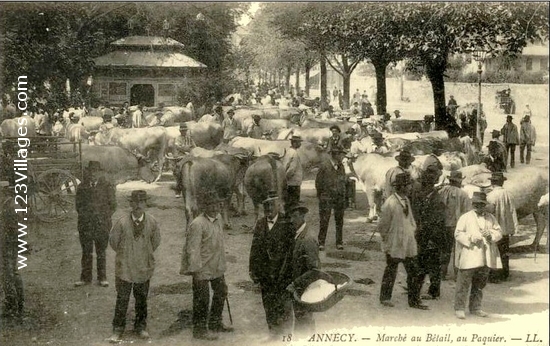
<point>188,191</point>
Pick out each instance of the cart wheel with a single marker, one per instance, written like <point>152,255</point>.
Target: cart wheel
<point>54,197</point>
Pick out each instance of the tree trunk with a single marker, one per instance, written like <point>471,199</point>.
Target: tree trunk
<point>381,98</point>
<point>435,74</point>
<point>347,81</point>
<point>308,67</point>
<point>287,79</point>
<point>297,83</point>
<point>323,84</point>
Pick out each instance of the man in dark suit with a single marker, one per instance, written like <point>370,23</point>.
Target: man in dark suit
<point>330,184</point>
<point>95,204</point>
<point>271,266</point>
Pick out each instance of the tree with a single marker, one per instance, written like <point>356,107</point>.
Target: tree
<point>434,31</point>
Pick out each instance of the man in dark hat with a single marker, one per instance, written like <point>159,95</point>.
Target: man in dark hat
<point>397,114</point>
<point>218,113</point>
<point>505,213</point>
<point>336,139</point>
<point>270,265</point>
<point>511,139</point>
<point>495,161</point>
<point>204,259</point>
<point>477,233</point>
<point>305,257</point>
<point>231,127</point>
<point>134,238</point>
<point>12,284</point>
<point>254,130</point>
<point>355,109</point>
<point>397,228</point>
<point>404,160</point>
<point>95,204</point>
<point>330,184</point>
<point>527,139</point>
<point>456,202</point>
<point>452,106</point>
<point>430,229</point>
<point>378,144</point>
<point>293,169</point>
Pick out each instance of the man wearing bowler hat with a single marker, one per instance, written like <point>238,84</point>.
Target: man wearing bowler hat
<point>254,130</point>
<point>204,259</point>
<point>294,173</point>
<point>330,184</point>
<point>134,238</point>
<point>270,266</point>
<point>456,202</point>
<point>527,139</point>
<point>404,160</point>
<point>397,228</point>
<point>231,127</point>
<point>505,213</point>
<point>477,233</point>
<point>511,139</point>
<point>95,204</point>
<point>495,161</point>
<point>182,146</point>
<point>305,257</point>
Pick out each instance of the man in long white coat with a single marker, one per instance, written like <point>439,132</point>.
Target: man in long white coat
<point>477,233</point>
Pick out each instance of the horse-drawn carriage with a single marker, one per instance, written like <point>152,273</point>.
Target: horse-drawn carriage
<point>505,101</point>
<point>53,170</point>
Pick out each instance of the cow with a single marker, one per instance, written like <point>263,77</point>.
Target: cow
<point>265,174</point>
<point>196,175</point>
<point>370,170</point>
<point>407,125</point>
<point>142,141</point>
<point>119,164</point>
<point>314,123</point>
<point>207,135</point>
<point>23,126</point>
<point>311,155</point>
<point>312,135</point>
<point>525,184</point>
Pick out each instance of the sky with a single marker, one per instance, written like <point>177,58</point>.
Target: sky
<point>245,19</point>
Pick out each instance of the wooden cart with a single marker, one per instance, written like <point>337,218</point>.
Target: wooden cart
<point>54,169</point>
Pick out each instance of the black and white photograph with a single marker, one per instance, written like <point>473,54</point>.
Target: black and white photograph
<point>274,173</point>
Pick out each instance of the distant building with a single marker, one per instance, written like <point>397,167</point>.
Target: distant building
<point>143,69</point>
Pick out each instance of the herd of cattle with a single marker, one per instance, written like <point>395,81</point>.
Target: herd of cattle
<point>255,165</point>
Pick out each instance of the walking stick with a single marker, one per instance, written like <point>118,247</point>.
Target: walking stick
<point>365,248</point>
<point>229,310</point>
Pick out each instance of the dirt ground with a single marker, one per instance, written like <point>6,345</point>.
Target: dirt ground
<point>60,314</point>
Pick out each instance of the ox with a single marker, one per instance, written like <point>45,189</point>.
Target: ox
<point>265,174</point>
<point>207,135</point>
<point>526,185</point>
<point>370,170</point>
<point>197,174</point>
<point>23,126</point>
<point>142,141</point>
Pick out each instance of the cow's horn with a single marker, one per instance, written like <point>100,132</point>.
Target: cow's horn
<point>284,153</point>
<point>260,151</point>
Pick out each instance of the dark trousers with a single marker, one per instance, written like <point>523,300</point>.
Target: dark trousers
<point>390,273</point>
<point>292,196</point>
<point>447,249</point>
<point>474,280</point>
<point>325,209</point>
<point>278,310</point>
<point>123,290</point>
<point>304,324</point>
<point>429,263</point>
<point>89,239</point>
<point>203,316</point>
<point>522,151</point>
<point>511,152</point>
<point>504,249</point>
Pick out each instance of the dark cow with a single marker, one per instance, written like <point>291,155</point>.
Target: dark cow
<point>265,174</point>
